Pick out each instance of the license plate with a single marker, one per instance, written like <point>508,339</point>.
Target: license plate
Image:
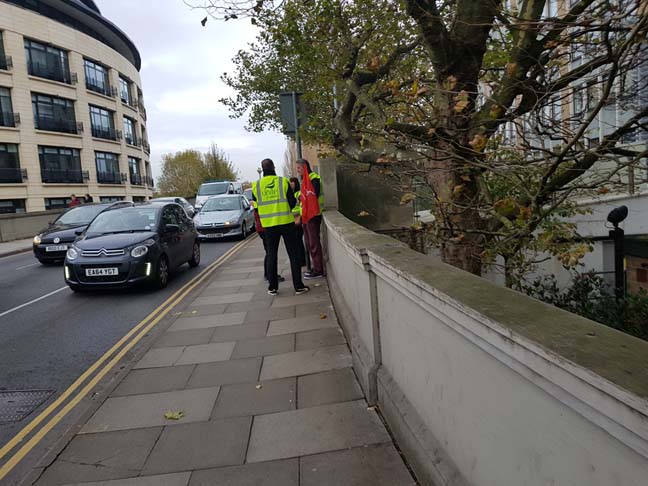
<point>56,248</point>
<point>101,272</point>
<point>214,235</point>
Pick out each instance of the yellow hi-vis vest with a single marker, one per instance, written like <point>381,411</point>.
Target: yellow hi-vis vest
<point>297,210</point>
<point>320,199</point>
<point>271,194</point>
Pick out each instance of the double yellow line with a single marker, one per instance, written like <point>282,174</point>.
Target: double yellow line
<point>126,344</point>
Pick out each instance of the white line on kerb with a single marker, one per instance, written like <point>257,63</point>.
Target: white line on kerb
<point>32,301</point>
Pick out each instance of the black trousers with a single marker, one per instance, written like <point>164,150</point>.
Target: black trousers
<point>263,237</point>
<point>299,232</point>
<point>273,235</point>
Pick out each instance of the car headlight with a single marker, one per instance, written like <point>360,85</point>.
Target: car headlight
<point>139,251</point>
<point>227,223</point>
<point>72,254</point>
<point>37,240</point>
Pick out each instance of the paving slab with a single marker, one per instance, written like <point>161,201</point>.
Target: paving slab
<point>184,338</point>
<point>250,306</point>
<point>328,387</point>
<point>141,411</point>
<point>259,259</point>
<point>273,473</point>
<point>264,346</point>
<point>154,380</point>
<point>206,353</point>
<point>222,285</point>
<point>270,314</point>
<point>314,298</point>
<point>224,299</point>
<point>160,357</point>
<point>302,310</point>
<point>256,398</point>
<point>301,324</point>
<point>243,270</point>
<point>200,446</point>
<point>319,338</point>
<point>239,332</point>
<point>204,310</point>
<point>378,465</point>
<point>97,457</point>
<point>305,362</point>
<point>314,430</point>
<point>174,479</point>
<point>187,323</point>
<point>225,373</point>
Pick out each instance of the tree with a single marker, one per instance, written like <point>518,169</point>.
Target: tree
<point>184,171</point>
<point>494,108</point>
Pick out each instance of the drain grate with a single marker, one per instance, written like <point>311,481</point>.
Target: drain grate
<point>15,405</point>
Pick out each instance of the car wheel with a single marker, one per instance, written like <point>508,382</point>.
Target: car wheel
<point>195,255</point>
<point>244,232</point>
<point>162,272</point>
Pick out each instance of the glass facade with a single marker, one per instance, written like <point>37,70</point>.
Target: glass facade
<point>107,165</point>
<point>53,113</point>
<point>47,61</point>
<point>60,165</point>
<point>97,78</point>
<point>103,123</point>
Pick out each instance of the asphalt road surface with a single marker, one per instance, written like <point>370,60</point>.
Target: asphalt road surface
<point>50,335</point>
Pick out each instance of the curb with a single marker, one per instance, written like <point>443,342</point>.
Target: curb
<point>15,252</point>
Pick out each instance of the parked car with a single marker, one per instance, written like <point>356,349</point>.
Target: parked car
<point>223,216</point>
<point>213,188</point>
<point>191,212</point>
<point>127,246</point>
<point>51,244</point>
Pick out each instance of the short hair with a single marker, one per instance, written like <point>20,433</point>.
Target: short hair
<point>267,164</point>
<point>296,181</point>
<point>306,163</point>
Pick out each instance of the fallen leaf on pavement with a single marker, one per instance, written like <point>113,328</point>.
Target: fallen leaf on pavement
<point>258,387</point>
<point>323,316</point>
<point>173,415</point>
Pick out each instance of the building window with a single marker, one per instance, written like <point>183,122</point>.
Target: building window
<point>139,199</point>
<point>145,142</point>
<point>10,171</point>
<point>97,78</point>
<point>8,206</point>
<point>103,123</point>
<point>130,133</point>
<point>5,61</point>
<point>54,114</point>
<point>110,199</point>
<point>47,61</point>
<point>57,203</point>
<point>60,165</point>
<point>135,172</point>
<point>148,174</point>
<point>107,168</point>
<point>126,91</point>
<point>7,118</point>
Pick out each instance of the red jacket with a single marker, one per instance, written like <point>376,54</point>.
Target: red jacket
<point>257,220</point>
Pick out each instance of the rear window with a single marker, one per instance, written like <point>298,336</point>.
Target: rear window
<point>213,189</point>
<point>80,215</point>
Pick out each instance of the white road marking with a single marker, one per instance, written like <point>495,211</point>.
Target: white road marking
<point>33,301</point>
<point>27,266</point>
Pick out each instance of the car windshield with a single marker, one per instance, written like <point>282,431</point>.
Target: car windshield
<point>125,221</point>
<point>213,189</point>
<point>80,215</point>
<point>221,204</point>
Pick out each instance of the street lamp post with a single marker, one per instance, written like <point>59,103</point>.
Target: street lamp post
<point>615,217</point>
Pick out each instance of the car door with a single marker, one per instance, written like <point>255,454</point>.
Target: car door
<point>248,217</point>
<point>171,240</point>
<point>186,232</point>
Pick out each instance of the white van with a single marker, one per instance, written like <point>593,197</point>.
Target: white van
<point>213,188</point>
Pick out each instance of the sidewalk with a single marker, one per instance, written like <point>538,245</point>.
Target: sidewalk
<point>266,391</point>
<point>13,247</point>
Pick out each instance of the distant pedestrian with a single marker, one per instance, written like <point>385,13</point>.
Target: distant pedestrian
<point>274,199</point>
<point>74,201</point>
<point>88,199</point>
<point>294,184</point>
<point>312,221</point>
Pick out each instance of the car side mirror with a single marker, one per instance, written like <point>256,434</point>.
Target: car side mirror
<point>78,232</point>
<point>171,228</point>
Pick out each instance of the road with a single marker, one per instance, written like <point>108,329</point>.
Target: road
<point>50,335</point>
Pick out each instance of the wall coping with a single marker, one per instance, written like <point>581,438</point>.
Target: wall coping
<point>52,212</point>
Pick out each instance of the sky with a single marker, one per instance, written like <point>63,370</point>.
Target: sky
<point>182,63</point>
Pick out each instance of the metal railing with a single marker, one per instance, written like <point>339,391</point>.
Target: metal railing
<point>111,178</point>
<point>6,63</point>
<point>12,175</point>
<point>147,147</point>
<point>64,176</point>
<point>55,73</point>
<point>8,119</point>
<point>106,133</point>
<point>58,125</point>
<point>132,102</point>
<point>136,180</point>
<point>132,139</point>
<point>105,90</point>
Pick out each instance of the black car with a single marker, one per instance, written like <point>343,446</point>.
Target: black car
<point>51,244</point>
<point>127,246</point>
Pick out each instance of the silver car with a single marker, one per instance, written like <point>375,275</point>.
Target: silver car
<point>223,216</point>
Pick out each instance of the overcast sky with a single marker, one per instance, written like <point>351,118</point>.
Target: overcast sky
<point>181,67</point>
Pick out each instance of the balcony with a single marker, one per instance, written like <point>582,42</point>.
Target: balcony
<point>149,181</point>
<point>111,178</point>
<point>142,110</point>
<point>105,90</point>
<point>132,102</point>
<point>6,63</point>
<point>106,133</point>
<point>58,125</point>
<point>137,180</point>
<point>8,119</point>
<point>64,176</point>
<point>147,147</point>
<point>132,139</point>
<point>55,73</point>
<point>12,175</point>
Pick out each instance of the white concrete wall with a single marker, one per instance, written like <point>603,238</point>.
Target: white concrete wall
<point>482,385</point>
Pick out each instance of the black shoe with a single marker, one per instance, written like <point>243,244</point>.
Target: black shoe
<point>281,279</point>
<point>272,292</point>
<point>303,290</point>
<point>312,275</point>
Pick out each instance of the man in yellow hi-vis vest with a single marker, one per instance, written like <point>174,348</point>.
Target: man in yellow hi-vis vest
<point>274,200</point>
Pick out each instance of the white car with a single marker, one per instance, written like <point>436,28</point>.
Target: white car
<point>213,188</point>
